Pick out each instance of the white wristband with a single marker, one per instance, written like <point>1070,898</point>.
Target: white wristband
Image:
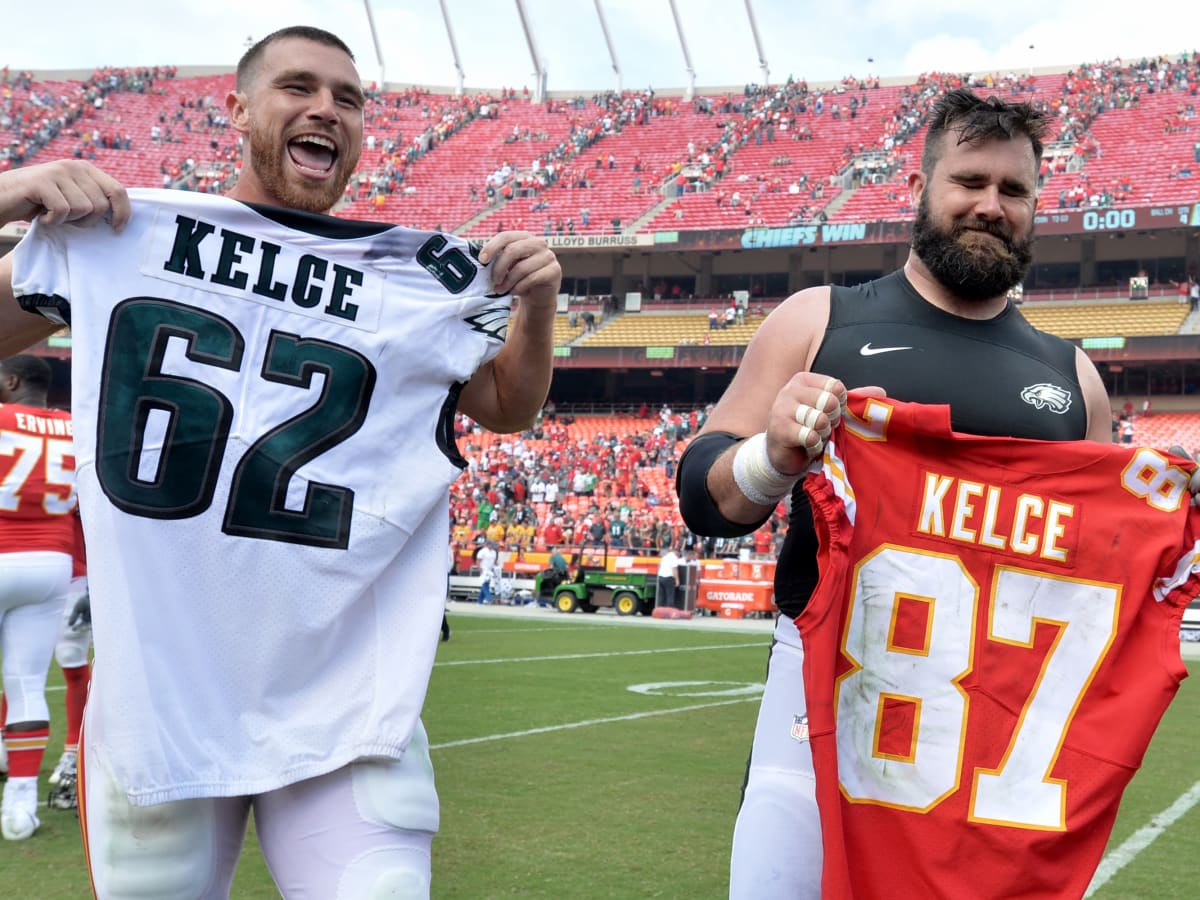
<point>754,475</point>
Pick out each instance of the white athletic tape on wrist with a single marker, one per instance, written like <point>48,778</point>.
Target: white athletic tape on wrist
<point>756,477</point>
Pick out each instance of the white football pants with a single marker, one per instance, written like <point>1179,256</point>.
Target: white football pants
<point>777,837</point>
<point>362,832</point>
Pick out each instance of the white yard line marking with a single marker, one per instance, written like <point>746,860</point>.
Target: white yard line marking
<point>1123,855</point>
<point>614,653</point>
<point>557,629</point>
<point>465,742</point>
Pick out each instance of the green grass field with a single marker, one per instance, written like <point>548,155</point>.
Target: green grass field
<point>559,781</point>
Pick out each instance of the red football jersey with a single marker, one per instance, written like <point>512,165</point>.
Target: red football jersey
<point>37,479</point>
<point>993,640</point>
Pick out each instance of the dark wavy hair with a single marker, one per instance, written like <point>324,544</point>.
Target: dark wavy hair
<point>975,119</point>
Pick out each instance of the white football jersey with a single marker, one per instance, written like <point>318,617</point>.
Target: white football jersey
<point>263,405</point>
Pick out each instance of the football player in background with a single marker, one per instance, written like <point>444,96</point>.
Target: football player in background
<point>940,330</point>
<point>37,503</point>
<point>71,653</point>
<point>344,804</point>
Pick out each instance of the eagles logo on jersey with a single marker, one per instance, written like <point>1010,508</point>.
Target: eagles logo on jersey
<point>1047,396</point>
<point>492,321</point>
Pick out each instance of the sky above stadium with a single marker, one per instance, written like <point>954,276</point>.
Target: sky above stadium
<point>820,41</point>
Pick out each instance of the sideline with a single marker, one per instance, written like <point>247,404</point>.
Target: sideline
<point>1189,650</point>
<point>603,617</point>
<point>1123,855</point>
<point>568,726</point>
<point>602,655</point>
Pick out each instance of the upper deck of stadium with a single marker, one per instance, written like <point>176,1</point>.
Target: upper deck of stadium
<point>644,162</point>
<point>656,184</point>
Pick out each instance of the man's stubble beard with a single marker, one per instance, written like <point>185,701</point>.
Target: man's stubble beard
<point>267,159</point>
<point>975,271</point>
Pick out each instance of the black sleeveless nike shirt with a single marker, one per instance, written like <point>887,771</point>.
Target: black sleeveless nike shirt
<point>1000,376</point>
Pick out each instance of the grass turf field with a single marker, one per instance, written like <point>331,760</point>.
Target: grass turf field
<point>559,781</point>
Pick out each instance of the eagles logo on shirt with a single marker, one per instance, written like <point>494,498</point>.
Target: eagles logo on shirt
<point>1047,396</point>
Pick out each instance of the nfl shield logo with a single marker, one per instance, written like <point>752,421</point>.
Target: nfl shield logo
<point>800,728</point>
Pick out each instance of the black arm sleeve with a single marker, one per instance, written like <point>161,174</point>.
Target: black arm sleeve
<point>55,308</point>
<point>700,513</point>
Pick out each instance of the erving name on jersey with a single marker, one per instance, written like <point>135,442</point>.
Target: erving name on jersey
<point>1001,518</point>
<point>42,425</point>
<point>189,251</point>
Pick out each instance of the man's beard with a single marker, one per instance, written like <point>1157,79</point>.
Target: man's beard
<point>267,153</point>
<point>976,269</point>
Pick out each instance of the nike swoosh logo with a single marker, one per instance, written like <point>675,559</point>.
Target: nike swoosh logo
<point>868,350</point>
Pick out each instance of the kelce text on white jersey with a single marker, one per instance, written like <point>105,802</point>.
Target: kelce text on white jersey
<point>186,250</point>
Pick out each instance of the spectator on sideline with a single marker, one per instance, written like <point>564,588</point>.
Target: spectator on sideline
<point>668,578</point>
<point>485,558</point>
<point>972,241</point>
<point>323,739</point>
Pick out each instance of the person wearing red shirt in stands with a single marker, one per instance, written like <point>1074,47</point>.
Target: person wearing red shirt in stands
<point>552,534</point>
<point>37,538</point>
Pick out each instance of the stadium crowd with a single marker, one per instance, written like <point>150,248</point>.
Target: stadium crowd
<point>33,113</point>
<point>594,485</point>
<point>556,486</point>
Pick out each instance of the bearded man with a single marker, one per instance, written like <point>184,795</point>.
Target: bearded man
<point>940,330</point>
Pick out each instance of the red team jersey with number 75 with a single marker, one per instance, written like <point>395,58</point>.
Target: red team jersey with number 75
<point>992,643</point>
<point>37,479</point>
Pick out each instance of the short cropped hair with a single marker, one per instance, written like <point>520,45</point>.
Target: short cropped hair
<point>976,119</point>
<point>249,62</point>
<point>33,371</point>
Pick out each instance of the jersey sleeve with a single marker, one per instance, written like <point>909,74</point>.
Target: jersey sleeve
<point>487,314</point>
<point>1182,586</point>
<point>486,319</point>
<point>41,278</point>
